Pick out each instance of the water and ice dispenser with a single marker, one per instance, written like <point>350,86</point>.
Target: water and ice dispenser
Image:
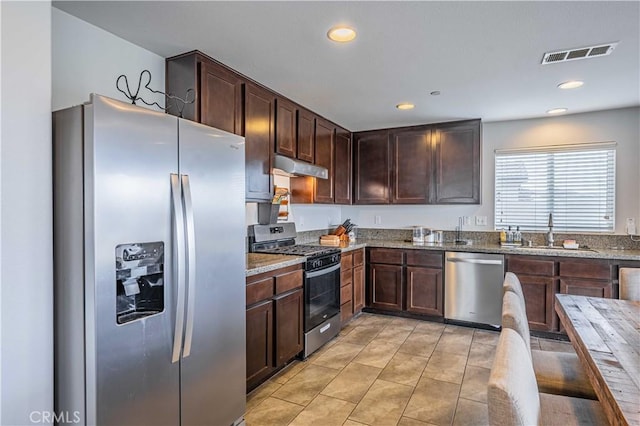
<point>139,280</point>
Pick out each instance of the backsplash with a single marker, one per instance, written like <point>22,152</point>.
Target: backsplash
<point>478,237</point>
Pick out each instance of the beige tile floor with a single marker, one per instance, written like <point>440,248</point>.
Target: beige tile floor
<point>384,370</point>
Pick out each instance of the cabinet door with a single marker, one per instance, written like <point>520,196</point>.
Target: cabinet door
<point>358,288</point>
<point>259,142</point>
<point>371,168</point>
<point>386,287</point>
<point>410,166</point>
<point>220,98</point>
<point>306,135</point>
<point>343,167</point>
<point>425,291</point>
<point>259,342</point>
<point>456,158</point>
<point>539,295</point>
<point>286,128</point>
<point>325,157</point>
<point>592,288</point>
<point>289,331</point>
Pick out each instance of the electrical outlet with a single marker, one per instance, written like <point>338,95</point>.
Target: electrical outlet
<point>301,220</point>
<point>631,226</point>
<point>466,220</point>
<point>377,220</point>
<point>481,221</point>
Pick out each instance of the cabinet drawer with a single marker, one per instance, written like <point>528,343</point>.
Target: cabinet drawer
<point>599,288</point>
<point>390,256</point>
<point>345,277</point>
<point>260,290</point>
<point>358,257</point>
<point>424,258</point>
<point>585,269</point>
<point>346,262</point>
<point>528,265</point>
<point>345,294</point>
<point>288,281</point>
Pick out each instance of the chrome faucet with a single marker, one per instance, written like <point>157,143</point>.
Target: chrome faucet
<point>550,233</point>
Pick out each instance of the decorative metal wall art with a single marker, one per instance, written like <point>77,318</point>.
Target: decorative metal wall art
<point>133,97</point>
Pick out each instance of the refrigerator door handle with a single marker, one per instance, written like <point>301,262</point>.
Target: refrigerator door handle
<point>178,223</point>
<point>191,263</point>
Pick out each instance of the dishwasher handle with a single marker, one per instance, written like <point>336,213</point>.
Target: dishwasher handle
<point>476,261</point>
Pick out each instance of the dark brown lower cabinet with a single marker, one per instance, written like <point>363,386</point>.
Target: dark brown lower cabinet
<point>259,341</point>
<point>543,277</point>
<point>539,293</point>
<point>274,332</point>
<point>351,284</point>
<point>289,331</point>
<point>386,286</point>
<point>538,276</point>
<point>358,288</point>
<point>406,280</point>
<point>424,291</point>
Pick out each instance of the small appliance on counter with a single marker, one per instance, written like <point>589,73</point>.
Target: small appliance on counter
<point>426,235</point>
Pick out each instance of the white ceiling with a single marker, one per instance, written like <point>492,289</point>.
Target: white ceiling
<point>484,57</point>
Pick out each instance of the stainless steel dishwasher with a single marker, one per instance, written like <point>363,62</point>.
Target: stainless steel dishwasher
<point>473,287</point>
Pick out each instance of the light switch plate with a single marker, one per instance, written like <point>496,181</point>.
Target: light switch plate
<point>481,221</point>
<point>631,226</point>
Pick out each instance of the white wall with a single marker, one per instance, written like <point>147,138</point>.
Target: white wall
<point>26,321</point>
<point>621,126</point>
<point>87,59</point>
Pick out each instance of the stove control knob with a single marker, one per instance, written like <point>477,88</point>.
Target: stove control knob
<point>316,264</point>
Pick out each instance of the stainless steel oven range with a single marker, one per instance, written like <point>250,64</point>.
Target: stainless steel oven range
<point>321,279</point>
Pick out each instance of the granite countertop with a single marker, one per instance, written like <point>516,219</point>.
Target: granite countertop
<point>497,249</point>
<point>260,262</point>
<point>264,262</point>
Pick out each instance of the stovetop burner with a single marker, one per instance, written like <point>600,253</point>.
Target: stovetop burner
<point>280,239</point>
<point>300,250</point>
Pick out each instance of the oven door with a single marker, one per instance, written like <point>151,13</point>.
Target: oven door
<point>321,296</point>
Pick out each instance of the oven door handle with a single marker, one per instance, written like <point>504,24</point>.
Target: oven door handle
<point>322,271</point>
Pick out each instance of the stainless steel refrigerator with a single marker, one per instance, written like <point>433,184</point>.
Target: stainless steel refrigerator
<point>149,231</point>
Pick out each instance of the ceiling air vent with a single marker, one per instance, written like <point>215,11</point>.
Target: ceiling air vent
<point>579,53</point>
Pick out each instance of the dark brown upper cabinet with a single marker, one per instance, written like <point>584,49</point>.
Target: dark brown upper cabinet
<point>456,148</point>
<point>306,135</point>
<point>286,138</point>
<point>218,91</point>
<point>410,166</point>
<point>371,167</point>
<point>430,164</point>
<point>342,174</point>
<point>259,142</point>
<point>324,156</point>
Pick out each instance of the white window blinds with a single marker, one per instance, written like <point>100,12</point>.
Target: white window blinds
<point>576,183</point>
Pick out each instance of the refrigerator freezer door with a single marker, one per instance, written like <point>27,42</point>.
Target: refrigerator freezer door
<point>130,153</point>
<point>213,364</point>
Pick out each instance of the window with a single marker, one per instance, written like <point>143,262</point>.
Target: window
<point>576,183</point>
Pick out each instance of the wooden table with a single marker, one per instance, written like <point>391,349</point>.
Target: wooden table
<point>606,335</point>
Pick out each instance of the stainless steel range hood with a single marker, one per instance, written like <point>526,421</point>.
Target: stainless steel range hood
<point>299,168</point>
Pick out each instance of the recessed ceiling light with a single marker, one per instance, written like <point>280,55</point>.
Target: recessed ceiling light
<point>341,34</point>
<point>557,111</point>
<point>405,105</point>
<point>435,93</point>
<point>572,84</point>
